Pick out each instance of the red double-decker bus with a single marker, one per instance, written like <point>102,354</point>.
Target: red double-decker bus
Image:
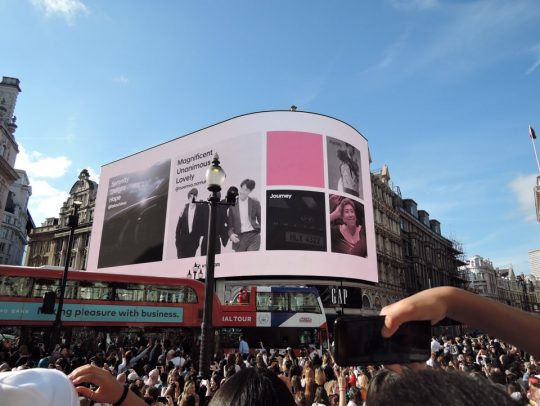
<point>100,302</point>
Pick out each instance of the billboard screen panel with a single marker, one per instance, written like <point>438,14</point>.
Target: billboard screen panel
<point>304,207</point>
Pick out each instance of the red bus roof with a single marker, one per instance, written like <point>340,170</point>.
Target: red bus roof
<point>56,273</point>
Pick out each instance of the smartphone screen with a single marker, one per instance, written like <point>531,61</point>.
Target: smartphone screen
<point>358,341</point>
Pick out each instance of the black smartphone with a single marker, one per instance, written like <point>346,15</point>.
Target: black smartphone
<point>162,399</point>
<point>358,341</point>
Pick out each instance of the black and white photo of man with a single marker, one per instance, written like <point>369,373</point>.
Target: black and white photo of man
<point>245,220</point>
<point>191,226</point>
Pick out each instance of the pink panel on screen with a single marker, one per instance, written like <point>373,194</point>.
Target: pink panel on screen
<point>294,158</point>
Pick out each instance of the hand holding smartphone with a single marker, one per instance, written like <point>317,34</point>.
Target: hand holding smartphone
<point>358,341</point>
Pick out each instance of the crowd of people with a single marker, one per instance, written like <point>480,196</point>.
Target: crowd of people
<point>161,373</point>
<point>468,369</point>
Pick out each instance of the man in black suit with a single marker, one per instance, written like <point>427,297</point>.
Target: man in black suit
<point>192,225</point>
<point>245,220</point>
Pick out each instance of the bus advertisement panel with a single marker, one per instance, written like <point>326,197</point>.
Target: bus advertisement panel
<point>86,313</point>
<point>304,209</point>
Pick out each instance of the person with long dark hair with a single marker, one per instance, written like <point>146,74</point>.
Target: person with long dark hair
<point>349,237</point>
<point>253,386</point>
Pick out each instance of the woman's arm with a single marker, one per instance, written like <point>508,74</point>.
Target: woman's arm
<point>109,389</point>
<point>133,361</point>
<point>342,387</point>
<point>508,323</point>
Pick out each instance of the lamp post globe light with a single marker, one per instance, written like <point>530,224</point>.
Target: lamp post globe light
<point>215,177</point>
<point>73,221</point>
<point>197,272</point>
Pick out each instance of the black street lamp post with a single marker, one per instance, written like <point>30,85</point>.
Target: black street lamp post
<point>215,177</point>
<point>73,221</point>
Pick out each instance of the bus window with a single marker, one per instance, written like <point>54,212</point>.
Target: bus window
<point>263,301</point>
<point>177,294</point>
<point>94,291</point>
<point>41,286</point>
<point>14,286</point>
<point>154,293</point>
<point>190,295</point>
<point>229,337</point>
<point>71,290</point>
<point>309,337</point>
<point>304,302</point>
<point>236,295</point>
<point>272,302</point>
<point>280,302</point>
<point>131,293</point>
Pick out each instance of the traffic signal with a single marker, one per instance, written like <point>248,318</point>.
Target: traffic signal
<point>48,303</point>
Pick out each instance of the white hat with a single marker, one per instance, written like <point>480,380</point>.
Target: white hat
<point>39,386</point>
<point>133,376</point>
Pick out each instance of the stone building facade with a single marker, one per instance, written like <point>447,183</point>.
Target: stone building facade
<point>412,254</point>
<point>48,243</point>
<point>430,259</point>
<point>502,284</point>
<point>9,90</point>
<point>15,190</point>
<point>16,222</point>
<point>390,260</point>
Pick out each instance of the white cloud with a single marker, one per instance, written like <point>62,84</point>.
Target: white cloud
<point>420,5</point>
<point>46,200</point>
<point>536,52</point>
<point>68,9</point>
<point>121,79</point>
<point>522,186</point>
<point>38,166</point>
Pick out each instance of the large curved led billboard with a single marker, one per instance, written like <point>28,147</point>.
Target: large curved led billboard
<point>304,206</point>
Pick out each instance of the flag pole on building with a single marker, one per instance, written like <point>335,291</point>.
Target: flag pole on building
<point>532,134</point>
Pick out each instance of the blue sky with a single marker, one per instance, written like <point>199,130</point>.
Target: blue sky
<point>442,90</point>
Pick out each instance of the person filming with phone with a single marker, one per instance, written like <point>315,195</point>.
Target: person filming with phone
<point>418,384</point>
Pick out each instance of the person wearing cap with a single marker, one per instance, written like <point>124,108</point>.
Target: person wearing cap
<point>190,227</point>
<point>33,387</point>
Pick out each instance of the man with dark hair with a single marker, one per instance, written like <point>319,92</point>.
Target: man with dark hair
<point>190,227</point>
<point>245,220</point>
